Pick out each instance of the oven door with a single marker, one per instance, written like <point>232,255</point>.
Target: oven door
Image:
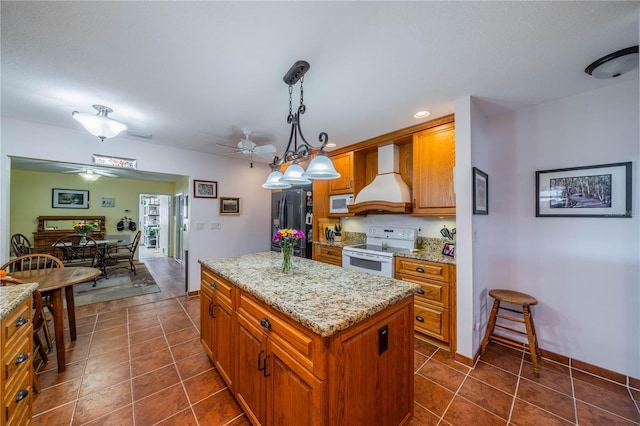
<point>368,262</point>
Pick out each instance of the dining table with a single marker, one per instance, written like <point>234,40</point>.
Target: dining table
<point>52,282</point>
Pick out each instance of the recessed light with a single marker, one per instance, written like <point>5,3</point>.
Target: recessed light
<point>422,114</point>
<point>331,145</point>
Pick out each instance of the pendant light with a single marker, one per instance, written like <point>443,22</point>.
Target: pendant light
<point>320,167</point>
<point>100,125</point>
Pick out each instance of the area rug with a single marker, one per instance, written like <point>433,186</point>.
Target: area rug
<point>120,285</point>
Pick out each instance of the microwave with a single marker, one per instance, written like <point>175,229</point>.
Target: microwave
<point>338,203</point>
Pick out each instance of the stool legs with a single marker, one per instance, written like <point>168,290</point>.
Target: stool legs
<point>490,326</point>
<point>533,340</point>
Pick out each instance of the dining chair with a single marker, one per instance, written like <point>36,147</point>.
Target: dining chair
<point>73,252</point>
<point>34,262</point>
<point>20,245</point>
<point>124,253</point>
<point>39,323</point>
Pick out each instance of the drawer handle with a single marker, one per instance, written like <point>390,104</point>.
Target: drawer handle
<point>22,394</point>
<point>260,360</point>
<point>22,357</point>
<point>420,291</point>
<point>420,270</point>
<point>213,284</point>
<point>419,318</point>
<point>329,252</point>
<point>21,321</point>
<point>212,312</point>
<point>265,323</point>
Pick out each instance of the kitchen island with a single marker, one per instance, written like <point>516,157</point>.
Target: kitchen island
<point>319,346</point>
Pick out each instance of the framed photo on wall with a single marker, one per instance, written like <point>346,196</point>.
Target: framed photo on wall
<point>591,191</point>
<point>480,192</point>
<point>69,199</point>
<point>229,205</point>
<point>205,189</point>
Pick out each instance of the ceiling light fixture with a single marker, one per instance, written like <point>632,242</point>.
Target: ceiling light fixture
<point>99,125</point>
<point>422,114</point>
<point>320,166</point>
<point>90,175</point>
<point>614,64</point>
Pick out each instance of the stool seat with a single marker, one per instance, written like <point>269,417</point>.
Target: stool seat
<point>524,301</point>
<point>513,297</point>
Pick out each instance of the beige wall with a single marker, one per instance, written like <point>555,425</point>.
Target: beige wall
<point>31,197</point>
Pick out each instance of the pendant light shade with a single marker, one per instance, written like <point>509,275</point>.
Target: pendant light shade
<point>273,181</point>
<point>294,175</point>
<point>321,168</point>
<point>99,125</point>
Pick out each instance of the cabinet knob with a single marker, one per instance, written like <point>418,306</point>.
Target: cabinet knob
<point>21,321</point>
<point>420,270</point>
<point>22,394</point>
<point>329,252</point>
<point>264,322</point>
<point>419,318</point>
<point>22,357</point>
<point>213,284</point>
<point>420,291</point>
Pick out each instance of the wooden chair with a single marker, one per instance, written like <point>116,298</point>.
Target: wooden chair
<point>39,322</point>
<point>72,252</point>
<point>20,245</point>
<point>122,253</point>
<point>34,262</point>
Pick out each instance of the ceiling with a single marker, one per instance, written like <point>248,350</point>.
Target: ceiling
<point>194,74</point>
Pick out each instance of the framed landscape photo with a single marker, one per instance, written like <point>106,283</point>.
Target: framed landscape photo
<point>591,191</point>
<point>69,199</point>
<point>480,192</point>
<point>229,205</point>
<point>205,189</point>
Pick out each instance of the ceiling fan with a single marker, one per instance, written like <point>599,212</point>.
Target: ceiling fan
<point>89,173</point>
<point>248,147</point>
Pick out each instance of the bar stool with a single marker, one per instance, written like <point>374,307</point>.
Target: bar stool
<point>514,298</point>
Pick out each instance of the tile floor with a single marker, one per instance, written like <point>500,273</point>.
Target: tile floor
<point>139,362</point>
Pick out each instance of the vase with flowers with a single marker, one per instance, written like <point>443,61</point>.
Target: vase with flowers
<point>84,228</point>
<point>288,238</point>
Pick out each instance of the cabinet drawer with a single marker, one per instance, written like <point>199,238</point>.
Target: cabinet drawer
<point>17,399</point>
<point>16,321</point>
<point>422,269</point>
<point>327,254</point>
<point>434,292</point>
<point>432,321</point>
<point>294,338</point>
<point>214,284</point>
<point>17,357</point>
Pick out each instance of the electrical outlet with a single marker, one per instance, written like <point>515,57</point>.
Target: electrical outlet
<point>215,225</point>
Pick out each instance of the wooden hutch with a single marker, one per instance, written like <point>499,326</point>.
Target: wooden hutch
<point>50,228</point>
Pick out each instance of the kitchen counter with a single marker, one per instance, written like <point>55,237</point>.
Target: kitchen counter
<point>323,298</point>
<point>12,295</point>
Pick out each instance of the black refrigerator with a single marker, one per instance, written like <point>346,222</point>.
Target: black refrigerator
<point>292,209</point>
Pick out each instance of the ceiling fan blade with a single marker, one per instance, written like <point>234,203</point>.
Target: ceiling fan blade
<point>265,151</point>
<point>229,146</point>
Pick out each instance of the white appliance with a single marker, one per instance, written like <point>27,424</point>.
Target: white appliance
<point>338,203</point>
<point>376,256</point>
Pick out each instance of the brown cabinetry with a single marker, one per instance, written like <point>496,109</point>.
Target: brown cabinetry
<point>286,374</point>
<point>328,254</point>
<point>16,378</point>
<point>434,157</point>
<point>435,300</point>
<point>50,228</point>
<point>344,165</point>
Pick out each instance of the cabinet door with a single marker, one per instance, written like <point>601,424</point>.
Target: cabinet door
<point>249,384</point>
<point>224,338</point>
<point>294,394</point>
<point>207,321</point>
<point>344,165</point>
<point>434,157</point>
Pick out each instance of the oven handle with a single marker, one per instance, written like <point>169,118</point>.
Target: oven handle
<point>365,256</point>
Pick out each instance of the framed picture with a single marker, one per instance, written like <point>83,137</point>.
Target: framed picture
<point>449,250</point>
<point>205,189</point>
<point>108,202</point>
<point>229,205</point>
<point>69,199</point>
<point>480,192</point>
<point>591,191</point>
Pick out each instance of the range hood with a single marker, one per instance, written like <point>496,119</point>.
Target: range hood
<point>388,193</point>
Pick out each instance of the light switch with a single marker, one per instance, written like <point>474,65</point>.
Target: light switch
<point>215,225</point>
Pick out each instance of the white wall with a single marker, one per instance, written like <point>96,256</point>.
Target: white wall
<point>238,234</point>
<point>585,272</point>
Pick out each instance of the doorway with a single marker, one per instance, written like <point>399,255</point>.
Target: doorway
<point>180,217</point>
<point>155,220</point>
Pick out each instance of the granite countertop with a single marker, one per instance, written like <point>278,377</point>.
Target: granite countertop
<point>12,295</point>
<point>323,298</point>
